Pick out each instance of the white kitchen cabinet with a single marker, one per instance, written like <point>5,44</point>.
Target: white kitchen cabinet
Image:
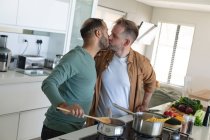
<point>30,124</point>
<point>20,97</point>
<point>9,126</point>
<point>43,14</point>
<point>8,11</point>
<point>83,10</point>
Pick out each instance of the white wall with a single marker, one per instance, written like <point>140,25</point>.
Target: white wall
<point>199,63</point>
<point>17,46</point>
<point>136,12</point>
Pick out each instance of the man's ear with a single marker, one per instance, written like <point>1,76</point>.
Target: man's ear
<point>97,33</point>
<point>127,42</point>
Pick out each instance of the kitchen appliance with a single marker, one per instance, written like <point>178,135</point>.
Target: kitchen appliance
<point>130,134</point>
<point>5,54</point>
<point>30,62</point>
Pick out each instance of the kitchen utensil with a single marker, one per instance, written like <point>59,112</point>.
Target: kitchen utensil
<point>141,125</point>
<point>104,120</point>
<point>129,112</point>
<point>144,127</point>
<point>115,128</point>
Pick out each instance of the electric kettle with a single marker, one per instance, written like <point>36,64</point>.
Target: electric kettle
<point>5,54</point>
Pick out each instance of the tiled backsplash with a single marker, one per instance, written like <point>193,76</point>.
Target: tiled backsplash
<point>15,42</point>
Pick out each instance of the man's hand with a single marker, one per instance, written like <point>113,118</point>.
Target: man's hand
<point>75,109</point>
<point>145,103</point>
<point>142,108</point>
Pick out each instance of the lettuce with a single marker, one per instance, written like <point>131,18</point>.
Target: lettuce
<point>199,116</point>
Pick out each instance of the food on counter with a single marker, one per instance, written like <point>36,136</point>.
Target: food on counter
<point>173,112</point>
<point>173,123</point>
<point>182,107</point>
<point>187,105</point>
<point>153,119</point>
<point>199,116</point>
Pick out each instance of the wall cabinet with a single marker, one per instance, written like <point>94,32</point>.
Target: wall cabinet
<point>8,11</point>
<point>83,10</point>
<point>30,124</point>
<point>46,14</point>
<point>9,126</point>
<point>49,15</point>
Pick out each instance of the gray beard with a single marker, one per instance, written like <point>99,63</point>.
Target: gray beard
<point>113,48</point>
<point>103,43</point>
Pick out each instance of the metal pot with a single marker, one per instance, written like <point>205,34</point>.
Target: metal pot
<point>144,127</point>
<point>115,128</point>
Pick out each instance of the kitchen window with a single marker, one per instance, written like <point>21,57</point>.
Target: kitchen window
<point>171,53</point>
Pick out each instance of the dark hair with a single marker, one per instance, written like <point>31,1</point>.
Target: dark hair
<point>89,26</point>
<point>130,27</point>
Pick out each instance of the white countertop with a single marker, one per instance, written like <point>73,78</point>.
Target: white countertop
<point>198,133</point>
<point>12,77</point>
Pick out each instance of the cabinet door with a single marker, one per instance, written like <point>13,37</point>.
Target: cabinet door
<point>30,124</point>
<point>9,126</point>
<point>44,14</point>
<point>20,97</point>
<point>83,10</point>
<point>8,11</point>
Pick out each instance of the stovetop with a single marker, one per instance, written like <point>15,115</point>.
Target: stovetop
<point>130,134</point>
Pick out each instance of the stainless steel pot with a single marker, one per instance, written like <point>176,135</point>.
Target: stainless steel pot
<point>145,127</point>
<point>141,125</point>
<point>115,128</point>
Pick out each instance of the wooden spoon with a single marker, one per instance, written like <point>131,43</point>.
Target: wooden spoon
<point>105,120</point>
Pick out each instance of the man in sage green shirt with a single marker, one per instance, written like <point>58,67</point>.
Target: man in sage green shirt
<point>71,83</point>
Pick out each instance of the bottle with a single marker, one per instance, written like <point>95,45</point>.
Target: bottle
<point>190,124</point>
<point>185,124</point>
<point>57,60</point>
<point>207,117</point>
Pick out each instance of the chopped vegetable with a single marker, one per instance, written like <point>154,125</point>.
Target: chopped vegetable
<point>199,115</point>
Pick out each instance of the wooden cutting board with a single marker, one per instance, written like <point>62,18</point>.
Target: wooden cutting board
<point>203,95</point>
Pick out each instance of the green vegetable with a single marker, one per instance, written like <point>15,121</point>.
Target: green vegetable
<point>199,116</point>
<point>193,103</point>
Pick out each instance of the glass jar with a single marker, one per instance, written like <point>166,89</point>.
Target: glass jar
<point>57,60</point>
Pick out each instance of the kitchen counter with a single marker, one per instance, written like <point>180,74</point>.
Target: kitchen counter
<point>13,76</point>
<point>198,133</point>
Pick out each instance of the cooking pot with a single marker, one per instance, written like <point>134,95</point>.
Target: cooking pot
<point>145,127</point>
<point>141,125</point>
<point>115,128</point>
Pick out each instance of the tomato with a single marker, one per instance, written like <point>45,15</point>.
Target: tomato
<point>166,113</point>
<point>170,113</point>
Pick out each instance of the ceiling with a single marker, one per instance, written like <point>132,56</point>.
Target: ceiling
<point>194,5</point>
